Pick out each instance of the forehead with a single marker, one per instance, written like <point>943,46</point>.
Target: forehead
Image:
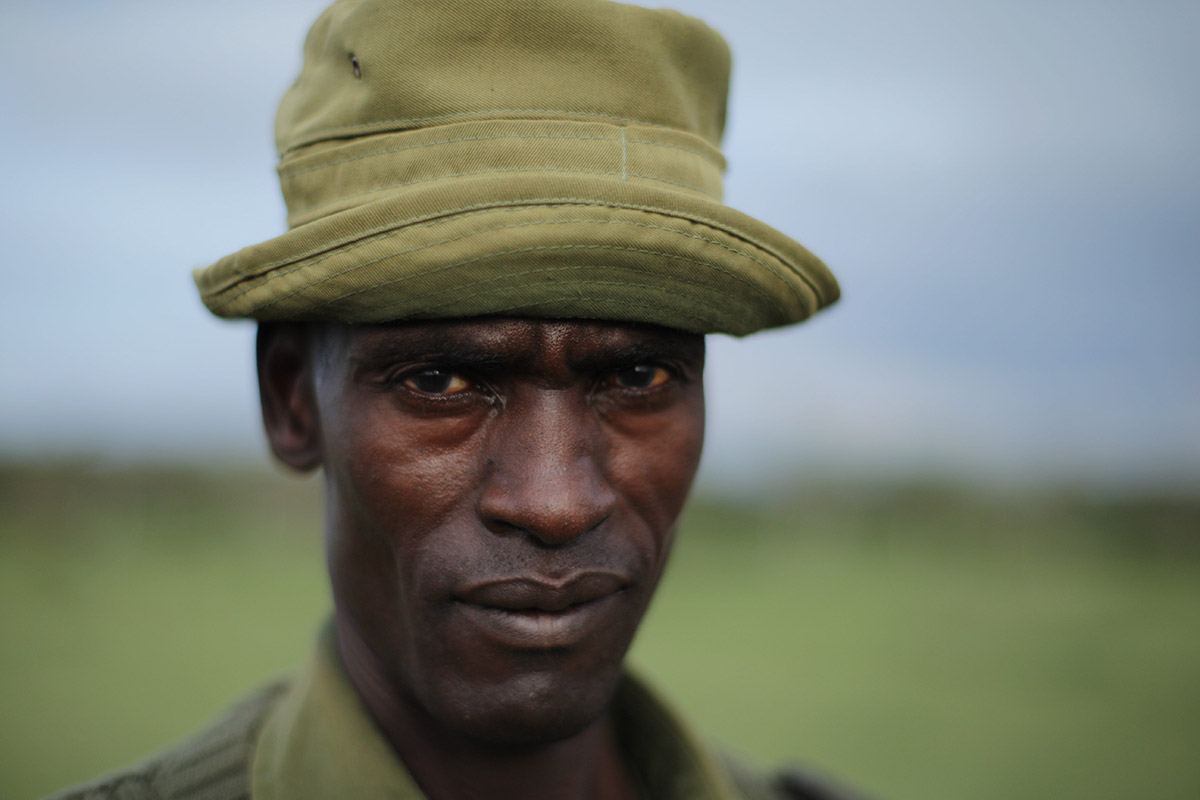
<point>512,341</point>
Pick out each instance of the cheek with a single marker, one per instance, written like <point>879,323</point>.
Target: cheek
<point>654,462</point>
<point>404,474</point>
<point>390,483</point>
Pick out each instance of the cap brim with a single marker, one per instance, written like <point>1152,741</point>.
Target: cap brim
<point>528,245</point>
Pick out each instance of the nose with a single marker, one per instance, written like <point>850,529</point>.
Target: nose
<point>545,474</point>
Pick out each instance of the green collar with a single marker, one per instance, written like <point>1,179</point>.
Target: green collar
<point>319,742</point>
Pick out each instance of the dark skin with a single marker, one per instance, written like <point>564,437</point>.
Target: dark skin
<point>502,496</point>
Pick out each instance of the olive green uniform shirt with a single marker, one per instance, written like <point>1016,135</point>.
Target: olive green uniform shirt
<point>312,739</point>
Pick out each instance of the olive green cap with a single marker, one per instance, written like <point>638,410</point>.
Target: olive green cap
<point>547,158</point>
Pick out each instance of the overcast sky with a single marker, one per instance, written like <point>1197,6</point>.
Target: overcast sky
<point>1009,193</point>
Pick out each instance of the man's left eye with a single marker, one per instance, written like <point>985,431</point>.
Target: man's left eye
<point>438,382</point>
<point>642,376</point>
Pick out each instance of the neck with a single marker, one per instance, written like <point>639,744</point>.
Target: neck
<point>447,766</point>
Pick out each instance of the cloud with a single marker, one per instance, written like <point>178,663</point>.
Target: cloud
<point>1007,192</point>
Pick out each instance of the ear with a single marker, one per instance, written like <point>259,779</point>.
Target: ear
<point>286,390</point>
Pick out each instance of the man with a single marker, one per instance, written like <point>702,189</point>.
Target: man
<point>485,326</point>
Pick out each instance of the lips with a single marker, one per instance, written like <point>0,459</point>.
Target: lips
<point>537,612</point>
<point>543,594</point>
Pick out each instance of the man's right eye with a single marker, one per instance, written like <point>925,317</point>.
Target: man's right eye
<point>437,382</point>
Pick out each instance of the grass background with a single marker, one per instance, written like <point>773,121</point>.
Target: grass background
<point>920,641</point>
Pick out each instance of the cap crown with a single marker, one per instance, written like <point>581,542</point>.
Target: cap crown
<point>374,66</point>
<point>539,158</point>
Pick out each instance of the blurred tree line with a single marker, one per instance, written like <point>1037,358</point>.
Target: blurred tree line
<point>70,501</point>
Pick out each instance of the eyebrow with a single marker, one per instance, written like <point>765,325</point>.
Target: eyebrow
<point>455,349</point>
<point>634,353</point>
<point>425,345</point>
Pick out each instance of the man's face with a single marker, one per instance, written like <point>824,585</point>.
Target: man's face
<point>502,496</point>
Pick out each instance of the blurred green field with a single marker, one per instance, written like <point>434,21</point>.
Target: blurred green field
<point>921,642</point>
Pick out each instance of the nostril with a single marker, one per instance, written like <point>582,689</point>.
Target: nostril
<point>551,513</point>
<point>548,527</point>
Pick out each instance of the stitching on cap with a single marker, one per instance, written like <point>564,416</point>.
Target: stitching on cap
<point>733,275</point>
<point>395,227</point>
<point>389,151</point>
<point>268,278</point>
<point>707,156</point>
<point>457,264</point>
<point>335,133</point>
<point>591,283</point>
<point>622,284</point>
<point>624,303</point>
<point>624,156</point>
<point>293,173</point>
<point>625,284</point>
<point>315,211</point>
<point>510,275</point>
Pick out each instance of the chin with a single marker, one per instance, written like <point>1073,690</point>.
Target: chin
<point>532,709</point>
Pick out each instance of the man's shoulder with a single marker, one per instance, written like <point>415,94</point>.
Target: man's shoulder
<point>793,783</point>
<point>212,765</point>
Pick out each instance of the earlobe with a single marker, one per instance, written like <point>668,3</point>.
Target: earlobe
<point>287,394</point>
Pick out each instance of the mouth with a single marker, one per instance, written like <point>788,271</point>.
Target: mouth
<point>541,613</point>
<point>543,594</point>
